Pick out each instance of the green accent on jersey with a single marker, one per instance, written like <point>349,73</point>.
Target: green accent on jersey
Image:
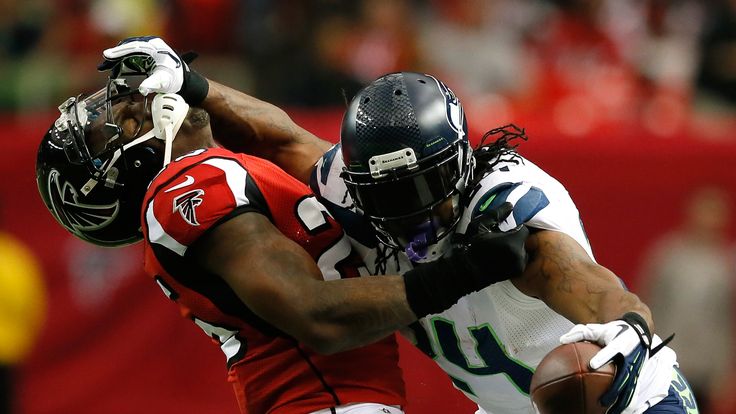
<point>489,349</point>
<point>684,391</point>
<point>487,202</point>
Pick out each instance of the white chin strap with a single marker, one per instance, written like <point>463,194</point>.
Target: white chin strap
<point>168,111</point>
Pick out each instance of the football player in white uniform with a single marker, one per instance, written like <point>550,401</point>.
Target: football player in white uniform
<point>405,184</point>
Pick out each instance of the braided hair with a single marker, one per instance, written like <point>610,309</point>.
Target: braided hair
<point>495,147</point>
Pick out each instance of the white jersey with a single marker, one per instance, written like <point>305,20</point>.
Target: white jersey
<point>490,341</point>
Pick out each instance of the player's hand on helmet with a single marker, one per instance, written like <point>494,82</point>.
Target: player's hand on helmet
<point>167,71</point>
<point>494,254</point>
<point>477,261</point>
<point>627,343</point>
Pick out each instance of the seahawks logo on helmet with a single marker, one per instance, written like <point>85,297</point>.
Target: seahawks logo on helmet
<point>75,216</point>
<point>186,204</point>
<point>454,109</point>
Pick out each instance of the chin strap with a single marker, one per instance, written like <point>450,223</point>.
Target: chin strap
<point>168,111</point>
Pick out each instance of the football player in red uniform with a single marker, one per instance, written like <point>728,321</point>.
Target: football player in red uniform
<point>246,251</point>
<point>393,135</point>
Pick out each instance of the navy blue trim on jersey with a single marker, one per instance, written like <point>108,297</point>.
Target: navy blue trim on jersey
<point>525,208</point>
<point>327,160</point>
<point>353,224</point>
<point>529,205</point>
<point>679,400</point>
<point>422,339</point>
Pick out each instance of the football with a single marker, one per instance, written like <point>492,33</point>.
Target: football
<point>564,383</point>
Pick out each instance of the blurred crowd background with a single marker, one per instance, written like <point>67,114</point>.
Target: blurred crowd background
<point>631,103</point>
<point>623,58</point>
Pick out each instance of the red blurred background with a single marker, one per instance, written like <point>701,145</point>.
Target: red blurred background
<point>112,343</point>
<point>630,103</point>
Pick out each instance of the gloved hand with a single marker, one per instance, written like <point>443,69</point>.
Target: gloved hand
<point>626,342</point>
<point>485,247</point>
<point>476,262</point>
<point>167,71</point>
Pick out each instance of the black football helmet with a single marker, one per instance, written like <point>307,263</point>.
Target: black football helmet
<point>97,195</point>
<point>405,145</point>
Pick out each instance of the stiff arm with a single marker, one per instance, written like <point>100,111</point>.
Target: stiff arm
<point>281,283</point>
<point>242,123</point>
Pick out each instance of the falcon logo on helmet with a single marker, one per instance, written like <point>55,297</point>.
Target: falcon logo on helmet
<point>76,216</point>
<point>186,205</point>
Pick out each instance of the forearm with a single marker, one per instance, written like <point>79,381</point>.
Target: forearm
<point>569,282</point>
<point>601,297</point>
<point>358,311</point>
<point>245,124</point>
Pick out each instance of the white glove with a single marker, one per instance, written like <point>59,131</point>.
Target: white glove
<point>152,56</point>
<point>626,342</point>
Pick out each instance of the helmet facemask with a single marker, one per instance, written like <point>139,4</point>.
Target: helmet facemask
<point>93,174</point>
<point>405,146</point>
<point>413,206</point>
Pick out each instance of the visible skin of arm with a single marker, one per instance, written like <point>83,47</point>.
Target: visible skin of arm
<point>281,283</point>
<point>242,123</point>
<point>562,274</point>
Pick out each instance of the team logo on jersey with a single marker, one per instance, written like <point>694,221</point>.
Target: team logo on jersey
<point>75,216</point>
<point>187,203</point>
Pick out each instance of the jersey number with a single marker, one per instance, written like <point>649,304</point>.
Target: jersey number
<point>337,261</point>
<point>490,350</point>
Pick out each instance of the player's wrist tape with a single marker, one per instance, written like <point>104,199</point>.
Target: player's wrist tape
<point>436,286</point>
<point>640,327</point>
<point>195,88</point>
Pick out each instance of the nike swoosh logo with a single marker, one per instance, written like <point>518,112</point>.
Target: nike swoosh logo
<point>188,181</point>
<point>487,203</point>
<point>623,329</point>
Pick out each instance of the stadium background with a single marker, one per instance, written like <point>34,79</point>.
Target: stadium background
<point>613,94</point>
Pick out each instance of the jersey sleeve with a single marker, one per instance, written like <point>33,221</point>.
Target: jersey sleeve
<point>539,201</point>
<point>199,198</point>
<point>332,192</point>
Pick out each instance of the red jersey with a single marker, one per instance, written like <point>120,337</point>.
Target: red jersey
<point>270,371</point>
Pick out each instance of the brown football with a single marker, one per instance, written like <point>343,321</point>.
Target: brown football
<point>564,383</point>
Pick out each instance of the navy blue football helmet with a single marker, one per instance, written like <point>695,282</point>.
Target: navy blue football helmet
<point>405,145</point>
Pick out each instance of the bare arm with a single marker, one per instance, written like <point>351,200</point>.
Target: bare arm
<point>562,275</point>
<point>280,282</point>
<point>242,123</point>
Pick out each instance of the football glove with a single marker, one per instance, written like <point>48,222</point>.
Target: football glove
<point>476,262</point>
<point>627,343</point>
<point>167,71</point>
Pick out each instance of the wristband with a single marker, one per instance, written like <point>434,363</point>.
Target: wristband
<point>436,286</point>
<point>640,327</point>
<point>195,88</point>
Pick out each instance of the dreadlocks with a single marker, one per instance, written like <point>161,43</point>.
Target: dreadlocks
<point>487,154</point>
